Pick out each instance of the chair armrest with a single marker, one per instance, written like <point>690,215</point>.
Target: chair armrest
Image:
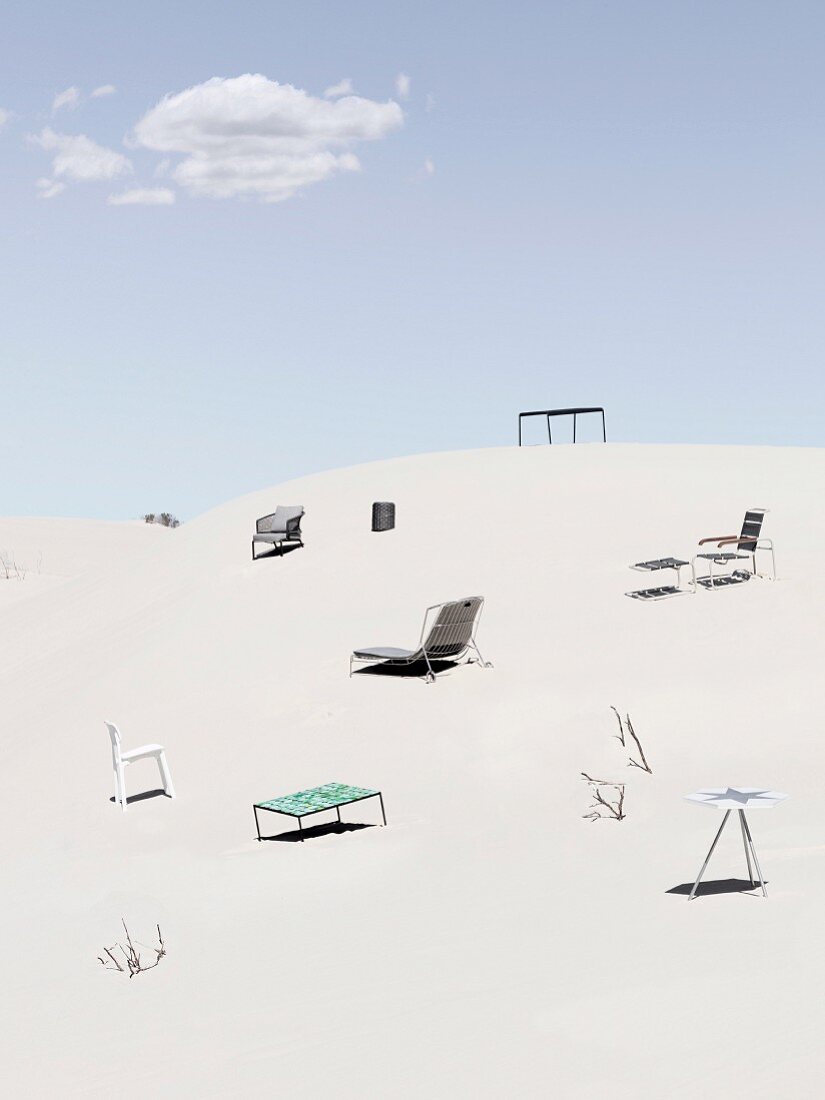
<point>758,543</point>
<point>720,539</point>
<point>294,525</point>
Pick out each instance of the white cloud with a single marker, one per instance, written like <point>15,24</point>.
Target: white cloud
<point>47,189</point>
<point>68,98</point>
<point>104,89</point>
<point>343,87</point>
<point>429,167</point>
<point>250,136</point>
<point>148,196</point>
<point>4,117</point>
<point>402,86</point>
<point>79,158</point>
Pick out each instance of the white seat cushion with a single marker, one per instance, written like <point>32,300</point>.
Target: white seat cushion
<point>386,653</point>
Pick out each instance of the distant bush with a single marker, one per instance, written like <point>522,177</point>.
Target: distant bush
<point>9,567</point>
<point>165,519</point>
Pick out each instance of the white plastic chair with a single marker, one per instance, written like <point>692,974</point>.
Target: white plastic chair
<point>120,759</point>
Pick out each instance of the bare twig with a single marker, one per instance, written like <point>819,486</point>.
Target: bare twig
<point>633,764</point>
<point>131,956</point>
<point>114,960</point>
<point>598,787</point>
<point>620,735</point>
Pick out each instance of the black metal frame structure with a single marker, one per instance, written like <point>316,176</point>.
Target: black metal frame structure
<point>337,807</point>
<point>563,412</point>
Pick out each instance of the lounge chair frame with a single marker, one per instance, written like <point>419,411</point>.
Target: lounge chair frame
<point>443,637</point>
<point>750,540</point>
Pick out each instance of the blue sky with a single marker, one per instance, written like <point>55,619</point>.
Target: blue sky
<point>570,203</point>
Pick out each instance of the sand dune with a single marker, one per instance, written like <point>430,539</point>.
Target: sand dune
<point>489,942</point>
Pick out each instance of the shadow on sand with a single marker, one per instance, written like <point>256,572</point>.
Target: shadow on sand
<point>314,831</point>
<point>130,798</point>
<point>415,671</point>
<point>278,553</point>
<point>725,580</point>
<point>718,886</point>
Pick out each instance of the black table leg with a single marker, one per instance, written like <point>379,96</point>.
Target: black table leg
<point>381,800</point>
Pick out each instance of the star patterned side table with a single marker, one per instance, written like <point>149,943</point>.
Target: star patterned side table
<point>739,799</point>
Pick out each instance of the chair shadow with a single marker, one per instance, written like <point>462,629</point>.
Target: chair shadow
<point>315,831</point>
<point>130,798</point>
<point>414,671</point>
<point>716,886</point>
<point>279,553</point>
<point>724,581</point>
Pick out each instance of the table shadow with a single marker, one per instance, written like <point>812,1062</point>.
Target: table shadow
<point>311,832</point>
<point>717,886</point>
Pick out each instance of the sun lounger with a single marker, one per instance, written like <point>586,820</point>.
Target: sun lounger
<point>282,525</point>
<point>447,634</point>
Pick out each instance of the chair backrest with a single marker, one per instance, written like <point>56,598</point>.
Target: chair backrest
<point>278,520</point>
<point>289,516</point>
<point>751,527</point>
<point>114,735</point>
<point>453,628</point>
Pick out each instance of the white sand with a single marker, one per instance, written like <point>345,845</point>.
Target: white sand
<point>489,942</point>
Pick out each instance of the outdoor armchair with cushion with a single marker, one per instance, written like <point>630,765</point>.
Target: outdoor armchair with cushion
<point>282,525</point>
<point>447,634</point>
<point>733,548</point>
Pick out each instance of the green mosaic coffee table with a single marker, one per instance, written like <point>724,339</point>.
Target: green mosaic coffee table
<point>332,796</point>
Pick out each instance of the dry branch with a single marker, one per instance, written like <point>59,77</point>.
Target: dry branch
<point>131,956</point>
<point>631,763</point>
<point>620,734</point>
<point>598,788</point>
